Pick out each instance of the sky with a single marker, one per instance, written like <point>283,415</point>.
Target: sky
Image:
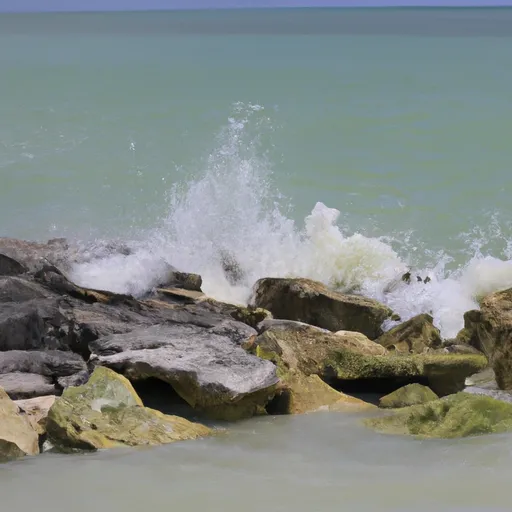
<point>103,5</point>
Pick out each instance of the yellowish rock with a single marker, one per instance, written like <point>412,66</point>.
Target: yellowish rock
<point>107,412</point>
<point>17,437</point>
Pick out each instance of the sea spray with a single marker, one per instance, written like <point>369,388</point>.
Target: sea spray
<point>233,211</point>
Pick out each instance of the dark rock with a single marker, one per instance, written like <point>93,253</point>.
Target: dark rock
<point>210,371</point>
<point>29,325</point>
<point>50,363</point>
<point>10,267</point>
<point>16,289</point>
<point>313,303</point>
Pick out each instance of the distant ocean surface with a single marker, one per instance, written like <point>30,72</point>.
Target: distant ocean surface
<point>192,134</point>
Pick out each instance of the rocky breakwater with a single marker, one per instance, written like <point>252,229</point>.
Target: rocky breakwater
<point>77,357</point>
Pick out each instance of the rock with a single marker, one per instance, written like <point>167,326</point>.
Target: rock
<point>206,367</point>
<point>458,415</point>
<point>16,289</point>
<point>17,437</point>
<point>497,394</point>
<point>20,385</point>
<point>26,374</point>
<point>10,267</point>
<point>484,379</point>
<point>302,354</point>
<point>412,394</point>
<point>415,336</point>
<point>32,255</point>
<point>313,303</point>
<point>301,394</point>
<point>181,295</point>
<point>444,373</point>
<point>36,411</point>
<point>188,281</point>
<point>21,327</point>
<point>490,331</point>
<point>476,333</point>
<point>106,413</point>
<point>309,349</point>
<point>251,316</point>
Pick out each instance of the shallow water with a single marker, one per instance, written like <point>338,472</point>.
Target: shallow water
<point>321,462</point>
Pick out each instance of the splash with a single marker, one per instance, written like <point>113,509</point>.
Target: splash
<point>228,223</point>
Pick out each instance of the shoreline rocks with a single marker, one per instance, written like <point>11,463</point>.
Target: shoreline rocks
<point>296,349</point>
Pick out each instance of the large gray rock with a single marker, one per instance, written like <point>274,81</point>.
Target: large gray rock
<point>29,325</point>
<point>21,289</point>
<point>313,303</point>
<point>209,370</point>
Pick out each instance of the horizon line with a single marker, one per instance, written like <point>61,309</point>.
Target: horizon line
<point>258,8</point>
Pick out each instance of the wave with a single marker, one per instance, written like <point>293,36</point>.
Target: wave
<point>231,215</point>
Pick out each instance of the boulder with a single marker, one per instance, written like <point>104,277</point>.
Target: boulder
<point>458,415</point>
<point>301,394</point>
<point>490,331</point>
<point>206,366</point>
<point>313,303</point>
<point>20,385</point>
<point>20,289</point>
<point>10,267</point>
<point>27,374</point>
<point>307,348</point>
<point>477,332</point>
<point>444,373</point>
<point>414,336</point>
<point>412,394</point>
<point>349,356</point>
<point>106,413</point>
<point>17,437</point>
<point>302,353</point>
<point>36,411</point>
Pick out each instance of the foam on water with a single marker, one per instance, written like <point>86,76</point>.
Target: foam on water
<point>232,210</point>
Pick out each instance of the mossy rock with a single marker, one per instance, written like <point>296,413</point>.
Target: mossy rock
<point>412,394</point>
<point>414,336</point>
<point>459,415</point>
<point>445,373</point>
<point>107,412</point>
<point>301,389</point>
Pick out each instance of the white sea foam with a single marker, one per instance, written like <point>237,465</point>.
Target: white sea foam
<point>233,209</point>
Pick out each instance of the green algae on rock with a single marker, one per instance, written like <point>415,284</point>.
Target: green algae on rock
<point>459,415</point>
<point>445,373</point>
<point>412,394</point>
<point>106,413</point>
<point>17,437</point>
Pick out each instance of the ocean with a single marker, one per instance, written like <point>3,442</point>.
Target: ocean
<point>344,145</point>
